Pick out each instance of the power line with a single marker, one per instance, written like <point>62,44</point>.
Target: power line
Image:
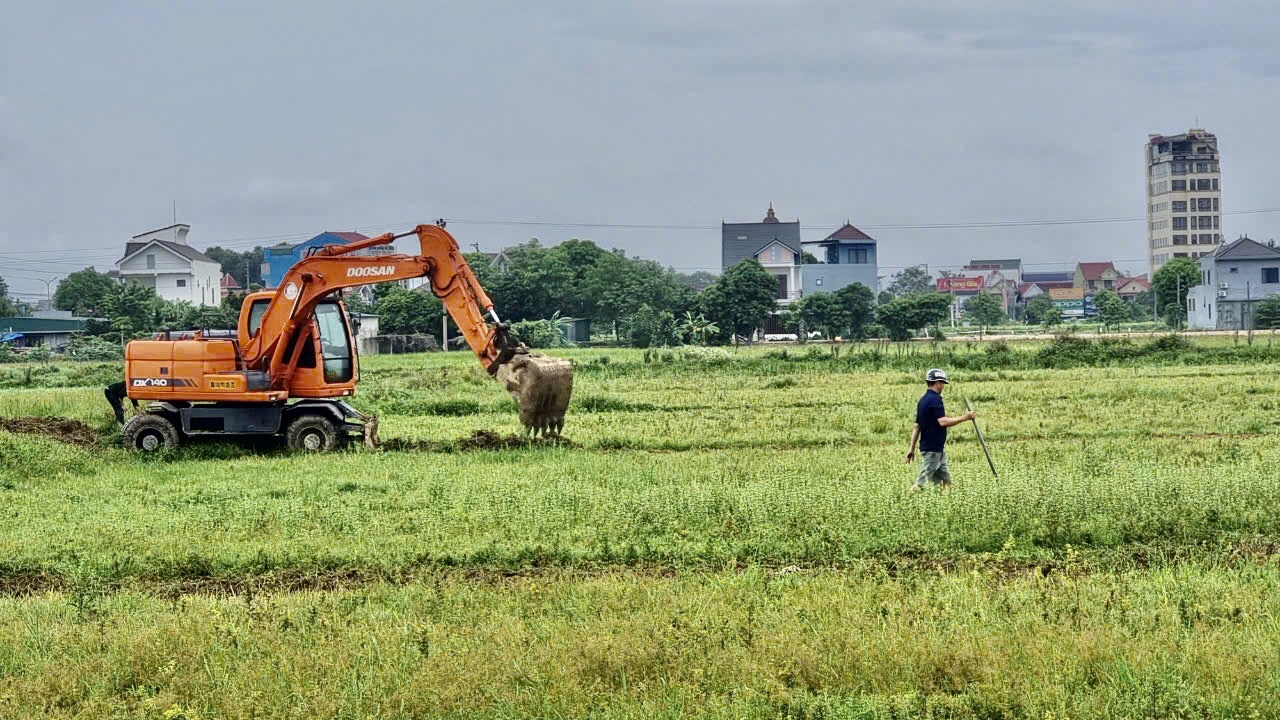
<point>249,241</point>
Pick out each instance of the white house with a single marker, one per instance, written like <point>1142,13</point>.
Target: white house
<point>1234,279</point>
<point>162,259</point>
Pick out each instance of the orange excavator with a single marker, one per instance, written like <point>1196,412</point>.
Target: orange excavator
<point>292,363</point>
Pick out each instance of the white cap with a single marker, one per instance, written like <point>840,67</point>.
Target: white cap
<point>936,375</point>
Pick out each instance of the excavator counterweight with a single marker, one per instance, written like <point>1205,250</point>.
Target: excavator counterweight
<point>292,363</point>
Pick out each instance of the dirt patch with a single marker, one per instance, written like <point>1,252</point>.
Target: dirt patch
<point>66,430</point>
<point>479,440</point>
<point>489,440</point>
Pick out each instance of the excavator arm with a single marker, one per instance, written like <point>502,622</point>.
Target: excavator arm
<point>541,386</point>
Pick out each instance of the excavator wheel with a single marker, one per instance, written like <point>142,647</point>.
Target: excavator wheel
<point>149,433</point>
<point>312,434</point>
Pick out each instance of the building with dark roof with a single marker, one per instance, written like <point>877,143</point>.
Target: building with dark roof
<point>775,244</point>
<point>845,257</point>
<point>162,260</point>
<point>53,330</point>
<point>741,241</point>
<point>1234,280</point>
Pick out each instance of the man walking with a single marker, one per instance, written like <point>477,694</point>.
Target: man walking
<point>930,431</point>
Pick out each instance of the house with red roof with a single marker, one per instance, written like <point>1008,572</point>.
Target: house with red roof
<point>229,285</point>
<point>1095,276</point>
<point>845,257</point>
<point>1130,288</point>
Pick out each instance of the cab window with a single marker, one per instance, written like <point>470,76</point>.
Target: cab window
<point>256,311</point>
<point>334,343</point>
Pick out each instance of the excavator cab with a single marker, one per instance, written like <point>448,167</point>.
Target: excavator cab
<point>326,363</point>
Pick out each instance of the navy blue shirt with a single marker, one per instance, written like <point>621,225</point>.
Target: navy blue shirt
<point>932,435</point>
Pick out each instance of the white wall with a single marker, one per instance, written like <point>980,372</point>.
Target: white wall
<point>200,279</point>
<point>165,261</point>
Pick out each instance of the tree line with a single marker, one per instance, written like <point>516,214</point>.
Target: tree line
<point>629,300</point>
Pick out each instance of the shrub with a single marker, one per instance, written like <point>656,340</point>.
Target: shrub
<point>539,333</point>
<point>88,347</point>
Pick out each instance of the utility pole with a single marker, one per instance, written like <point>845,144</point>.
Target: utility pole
<point>1248,305</point>
<point>1178,296</point>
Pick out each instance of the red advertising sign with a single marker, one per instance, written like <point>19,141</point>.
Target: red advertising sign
<point>960,284</point>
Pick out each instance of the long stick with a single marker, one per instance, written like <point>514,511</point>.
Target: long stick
<point>982,441</point>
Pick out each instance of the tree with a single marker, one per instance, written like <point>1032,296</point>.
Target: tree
<point>131,307</point>
<point>1038,307</point>
<point>913,312</point>
<point>1112,311</point>
<point>650,327</point>
<point>355,302</point>
<point>809,258</point>
<point>245,267</point>
<point>1170,284</point>
<point>619,286</point>
<point>986,309</point>
<point>741,298</point>
<point>535,284</point>
<point>408,312</point>
<point>82,292</point>
<point>696,281</point>
<point>1268,313</point>
<point>820,311</point>
<point>7,306</point>
<point>911,281</point>
<point>884,298</point>
<point>1142,308</point>
<point>1052,316</point>
<point>697,328</point>
<point>859,308</point>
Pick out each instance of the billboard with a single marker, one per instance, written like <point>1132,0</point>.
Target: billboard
<point>1076,307</point>
<point>960,284</point>
<point>1067,293</point>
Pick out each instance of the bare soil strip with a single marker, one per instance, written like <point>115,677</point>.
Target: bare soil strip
<point>1258,550</point>
<point>65,430</point>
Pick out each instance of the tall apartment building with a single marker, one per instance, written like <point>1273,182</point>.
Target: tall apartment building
<point>1184,213</point>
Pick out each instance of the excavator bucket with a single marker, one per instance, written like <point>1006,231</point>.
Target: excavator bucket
<point>541,387</point>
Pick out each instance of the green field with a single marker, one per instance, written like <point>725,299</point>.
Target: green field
<point>726,534</point>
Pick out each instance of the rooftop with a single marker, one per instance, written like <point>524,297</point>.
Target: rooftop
<point>1040,277</point>
<point>1094,270</point>
<point>769,219</point>
<point>182,226</point>
<point>1012,264</point>
<point>40,325</point>
<point>848,232</point>
<point>1245,248</point>
<point>185,251</point>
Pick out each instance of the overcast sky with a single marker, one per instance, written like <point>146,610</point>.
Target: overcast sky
<point>287,118</point>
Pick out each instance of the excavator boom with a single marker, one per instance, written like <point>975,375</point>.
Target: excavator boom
<point>540,385</point>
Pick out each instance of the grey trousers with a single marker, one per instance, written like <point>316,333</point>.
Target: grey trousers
<point>933,468</point>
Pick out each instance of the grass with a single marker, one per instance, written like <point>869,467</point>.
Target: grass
<point>730,537</point>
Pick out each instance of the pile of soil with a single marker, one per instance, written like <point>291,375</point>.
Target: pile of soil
<point>479,440</point>
<point>66,430</point>
<point>490,440</point>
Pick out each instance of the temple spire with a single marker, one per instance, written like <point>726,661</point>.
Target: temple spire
<point>770,218</point>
